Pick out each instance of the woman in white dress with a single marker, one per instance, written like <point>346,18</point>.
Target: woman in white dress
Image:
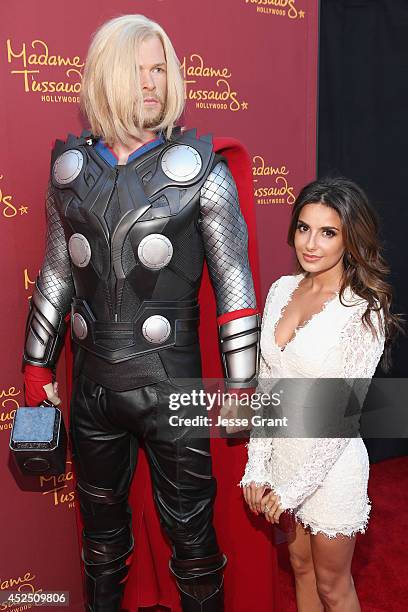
<point>332,320</point>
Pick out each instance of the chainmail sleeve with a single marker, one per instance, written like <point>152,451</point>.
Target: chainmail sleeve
<point>225,239</point>
<point>52,295</point>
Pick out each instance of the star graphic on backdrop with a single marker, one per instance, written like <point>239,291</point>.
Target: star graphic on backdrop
<point>301,14</point>
<point>244,105</point>
<point>23,210</point>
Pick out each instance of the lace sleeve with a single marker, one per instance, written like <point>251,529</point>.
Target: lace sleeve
<point>361,353</point>
<point>257,469</point>
<point>362,349</point>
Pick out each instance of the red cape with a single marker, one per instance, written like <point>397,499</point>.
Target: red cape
<point>251,571</point>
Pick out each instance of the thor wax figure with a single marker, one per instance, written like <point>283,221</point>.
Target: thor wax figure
<point>133,209</point>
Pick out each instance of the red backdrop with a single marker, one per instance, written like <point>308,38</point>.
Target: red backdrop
<point>250,72</point>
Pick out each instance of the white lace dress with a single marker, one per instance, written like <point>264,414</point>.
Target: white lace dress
<point>323,480</point>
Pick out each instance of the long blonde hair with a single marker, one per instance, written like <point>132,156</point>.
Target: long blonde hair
<point>111,95</point>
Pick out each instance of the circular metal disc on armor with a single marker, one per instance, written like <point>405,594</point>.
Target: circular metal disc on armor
<point>156,329</point>
<point>181,163</point>
<point>68,166</point>
<point>155,251</point>
<point>79,250</point>
<point>79,326</point>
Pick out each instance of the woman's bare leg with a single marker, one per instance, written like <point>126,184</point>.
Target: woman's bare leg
<point>332,566</point>
<point>307,597</point>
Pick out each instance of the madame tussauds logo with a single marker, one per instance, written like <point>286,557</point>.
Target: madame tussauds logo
<point>17,584</point>
<point>8,406</point>
<point>27,281</point>
<point>210,86</point>
<point>9,208</point>
<point>20,593</point>
<point>280,8</point>
<point>272,183</point>
<point>55,77</point>
<point>59,488</point>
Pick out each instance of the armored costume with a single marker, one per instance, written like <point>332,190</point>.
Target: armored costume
<point>125,251</point>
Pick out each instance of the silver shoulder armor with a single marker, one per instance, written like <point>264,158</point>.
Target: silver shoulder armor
<point>240,351</point>
<point>52,295</point>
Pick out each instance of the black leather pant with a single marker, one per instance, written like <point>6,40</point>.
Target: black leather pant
<point>106,429</point>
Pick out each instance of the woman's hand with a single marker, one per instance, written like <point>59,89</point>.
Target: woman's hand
<point>270,506</point>
<point>253,495</point>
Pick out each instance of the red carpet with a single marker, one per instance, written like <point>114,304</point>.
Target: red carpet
<point>381,559</point>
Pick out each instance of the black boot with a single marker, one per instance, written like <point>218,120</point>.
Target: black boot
<point>200,582</point>
<point>105,576</point>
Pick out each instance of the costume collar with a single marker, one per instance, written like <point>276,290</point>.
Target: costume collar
<point>109,156</point>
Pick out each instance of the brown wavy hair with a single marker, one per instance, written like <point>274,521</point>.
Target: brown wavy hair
<point>365,270</point>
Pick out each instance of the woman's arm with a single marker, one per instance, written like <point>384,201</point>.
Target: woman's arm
<point>260,448</point>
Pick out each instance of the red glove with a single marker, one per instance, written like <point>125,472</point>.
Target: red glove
<point>35,378</point>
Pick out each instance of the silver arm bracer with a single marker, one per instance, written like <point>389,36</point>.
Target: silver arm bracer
<point>225,238</point>
<point>51,297</point>
<point>240,351</point>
